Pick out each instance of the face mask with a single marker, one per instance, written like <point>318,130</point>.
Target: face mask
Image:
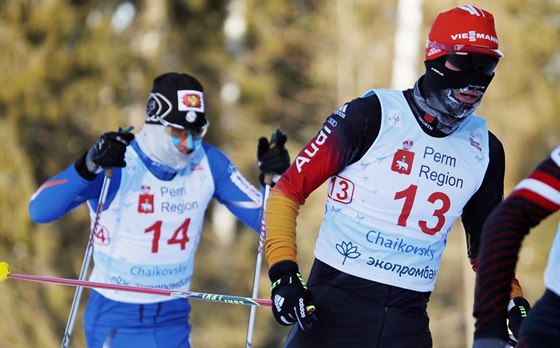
<point>440,88</point>
<point>160,147</point>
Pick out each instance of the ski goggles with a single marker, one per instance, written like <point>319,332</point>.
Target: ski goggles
<point>440,77</point>
<point>188,139</point>
<point>472,62</point>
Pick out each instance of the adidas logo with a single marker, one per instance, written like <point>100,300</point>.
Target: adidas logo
<point>278,302</point>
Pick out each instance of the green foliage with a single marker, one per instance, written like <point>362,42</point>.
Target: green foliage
<point>69,72</point>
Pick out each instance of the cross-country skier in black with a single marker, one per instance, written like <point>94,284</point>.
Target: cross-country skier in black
<point>402,166</point>
<point>535,198</point>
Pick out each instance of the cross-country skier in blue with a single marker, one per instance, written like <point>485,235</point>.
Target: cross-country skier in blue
<point>153,216</point>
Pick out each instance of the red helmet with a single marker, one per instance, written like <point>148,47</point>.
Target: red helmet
<point>463,29</point>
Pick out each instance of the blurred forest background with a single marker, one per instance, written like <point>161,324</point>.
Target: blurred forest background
<point>71,70</point>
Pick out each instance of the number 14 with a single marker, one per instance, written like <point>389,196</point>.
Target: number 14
<point>179,236</point>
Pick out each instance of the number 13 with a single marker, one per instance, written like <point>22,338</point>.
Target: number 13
<point>409,195</point>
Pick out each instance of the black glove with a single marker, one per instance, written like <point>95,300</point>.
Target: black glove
<point>291,300</point>
<point>490,343</point>
<point>108,152</point>
<point>518,309</point>
<point>273,158</point>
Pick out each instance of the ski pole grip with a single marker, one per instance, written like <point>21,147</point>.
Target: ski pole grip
<point>273,140</point>
<point>109,171</point>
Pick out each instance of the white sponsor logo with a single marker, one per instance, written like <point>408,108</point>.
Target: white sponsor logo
<point>473,36</point>
<point>278,302</point>
<point>342,111</point>
<point>302,313</point>
<point>239,180</point>
<point>312,149</point>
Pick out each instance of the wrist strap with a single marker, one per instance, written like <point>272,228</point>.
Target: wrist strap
<point>82,168</point>
<point>511,304</point>
<point>91,166</point>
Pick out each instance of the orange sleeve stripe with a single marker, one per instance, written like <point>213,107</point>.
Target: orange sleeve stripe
<point>281,218</point>
<point>53,183</point>
<point>516,290</point>
<point>47,185</point>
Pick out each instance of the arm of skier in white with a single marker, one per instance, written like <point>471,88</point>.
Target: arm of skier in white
<point>61,194</point>
<point>82,180</point>
<point>232,190</point>
<point>240,197</point>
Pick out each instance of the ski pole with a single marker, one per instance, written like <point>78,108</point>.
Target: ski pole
<point>262,235</point>
<point>86,261</point>
<point>202,296</point>
<point>88,254</point>
<point>256,276</point>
